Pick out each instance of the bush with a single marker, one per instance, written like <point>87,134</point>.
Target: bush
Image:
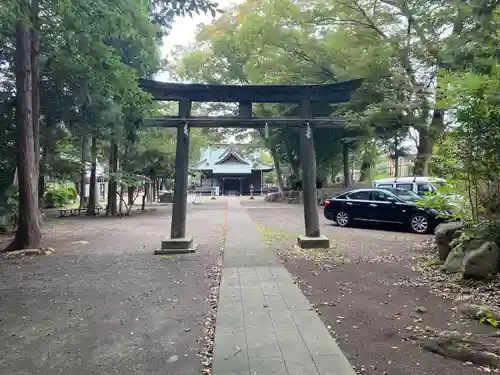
<point>59,196</point>
<point>9,206</point>
<point>447,203</point>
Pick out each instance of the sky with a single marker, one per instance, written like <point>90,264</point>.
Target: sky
<point>183,32</point>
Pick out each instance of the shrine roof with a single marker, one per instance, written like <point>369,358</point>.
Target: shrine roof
<point>228,160</point>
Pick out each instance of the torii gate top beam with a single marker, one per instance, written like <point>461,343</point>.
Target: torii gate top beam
<point>195,92</point>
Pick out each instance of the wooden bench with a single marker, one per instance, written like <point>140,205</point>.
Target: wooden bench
<point>290,199</point>
<point>65,212</point>
<point>71,211</point>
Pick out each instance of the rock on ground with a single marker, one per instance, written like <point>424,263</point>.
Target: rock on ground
<point>454,260</point>
<point>445,233</point>
<point>481,262</point>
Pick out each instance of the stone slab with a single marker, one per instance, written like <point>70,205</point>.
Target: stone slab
<point>231,366</point>
<point>321,242</point>
<point>171,246</point>
<point>177,243</point>
<point>333,365</point>
<point>262,343</point>
<point>267,366</point>
<point>191,250</point>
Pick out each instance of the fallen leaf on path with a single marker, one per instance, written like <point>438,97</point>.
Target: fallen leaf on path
<point>173,359</point>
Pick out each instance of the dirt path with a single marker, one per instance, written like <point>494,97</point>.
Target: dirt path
<point>103,304</point>
<point>367,294</point>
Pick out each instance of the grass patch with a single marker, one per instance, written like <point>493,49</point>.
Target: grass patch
<point>173,257</point>
<point>285,242</point>
<point>334,253</point>
<point>431,262</point>
<point>272,236</point>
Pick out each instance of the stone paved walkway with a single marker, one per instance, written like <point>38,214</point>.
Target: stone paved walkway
<point>265,324</point>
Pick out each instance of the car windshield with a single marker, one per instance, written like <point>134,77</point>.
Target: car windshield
<point>405,195</point>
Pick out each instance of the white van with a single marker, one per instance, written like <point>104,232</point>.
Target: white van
<point>419,185</point>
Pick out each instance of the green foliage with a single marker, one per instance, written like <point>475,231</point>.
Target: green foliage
<point>9,207</point>
<point>90,56</point>
<point>488,319</point>
<point>127,179</point>
<point>470,153</point>
<point>7,149</point>
<point>477,233</point>
<point>447,202</point>
<point>486,316</point>
<point>59,196</point>
<point>253,44</point>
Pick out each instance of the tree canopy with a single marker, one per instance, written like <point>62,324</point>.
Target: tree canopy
<point>69,74</point>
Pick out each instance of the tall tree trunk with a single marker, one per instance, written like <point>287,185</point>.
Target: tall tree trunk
<point>154,192</point>
<point>396,166</point>
<point>277,168</point>
<point>35,93</point>
<point>120,205</point>
<point>41,178</point>
<point>35,82</point>
<point>345,160</point>
<point>130,195</point>
<point>424,152</point>
<point>83,173</point>
<point>145,195</point>
<point>93,177</point>
<point>28,233</point>
<point>426,139</point>
<point>111,209</point>
<point>365,171</point>
<point>295,164</point>
<point>148,195</point>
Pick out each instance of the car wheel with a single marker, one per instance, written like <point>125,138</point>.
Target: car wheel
<point>419,223</point>
<point>342,218</point>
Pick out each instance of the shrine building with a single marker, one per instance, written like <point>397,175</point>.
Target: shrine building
<point>231,169</point>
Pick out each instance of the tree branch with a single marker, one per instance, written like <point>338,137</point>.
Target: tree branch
<point>369,20</point>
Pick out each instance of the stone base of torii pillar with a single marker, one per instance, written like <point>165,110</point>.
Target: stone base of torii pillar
<point>172,246</point>
<point>321,242</point>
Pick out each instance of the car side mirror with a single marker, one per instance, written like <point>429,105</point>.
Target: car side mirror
<point>391,199</point>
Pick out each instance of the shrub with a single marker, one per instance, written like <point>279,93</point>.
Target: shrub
<point>9,206</point>
<point>59,196</point>
<point>447,203</point>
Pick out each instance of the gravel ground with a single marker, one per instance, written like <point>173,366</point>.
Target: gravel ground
<point>103,304</point>
<point>366,293</point>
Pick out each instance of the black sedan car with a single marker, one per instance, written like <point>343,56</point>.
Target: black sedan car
<point>388,205</point>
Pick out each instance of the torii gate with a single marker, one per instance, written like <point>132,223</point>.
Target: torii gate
<point>303,95</point>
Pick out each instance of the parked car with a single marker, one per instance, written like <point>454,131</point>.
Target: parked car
<point>419,185</point>
<point>389,205</point>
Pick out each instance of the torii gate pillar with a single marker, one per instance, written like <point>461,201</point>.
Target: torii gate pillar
<point>312,239</point>
<point>178,242</point>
